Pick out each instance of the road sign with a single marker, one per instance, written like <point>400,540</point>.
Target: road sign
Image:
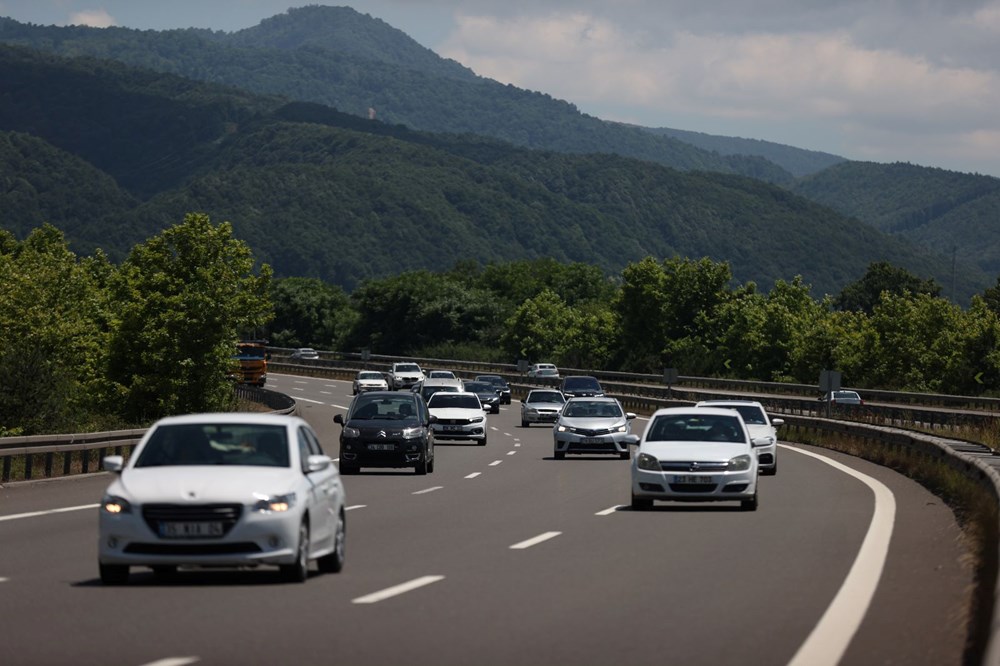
<point>829,380</point>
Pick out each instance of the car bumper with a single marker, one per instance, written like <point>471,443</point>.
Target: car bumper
<point>539,417</point>
<point>573,443</point>
<point>767,456</point>
<point>363,458</point>
<point>694,486</point>
<point>471,431</point>
<point>256,538</point>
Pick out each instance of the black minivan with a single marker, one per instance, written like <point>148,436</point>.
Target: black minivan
<point>581,386</point>
<point>386,429</point>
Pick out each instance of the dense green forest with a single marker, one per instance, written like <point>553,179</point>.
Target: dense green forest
<point>88,343</point>
<point>319,193</point>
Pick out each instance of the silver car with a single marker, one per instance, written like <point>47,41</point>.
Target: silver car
<point>592,425</point>
<point>541,406</point>
<point>369,380</point>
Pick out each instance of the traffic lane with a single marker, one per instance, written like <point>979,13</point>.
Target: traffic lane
<point>919,614</point>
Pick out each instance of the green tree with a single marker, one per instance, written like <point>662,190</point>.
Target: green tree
<point>882,276</point>
<point>310,313</point>
<point>537,329</point>
<point>184,296</point>
<point>52,333</point>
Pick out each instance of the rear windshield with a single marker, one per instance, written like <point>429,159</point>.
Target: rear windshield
<point>577,383</point>
<point>216,444</point>
<point>407,367</point>
<point>370,375</point>
<point>479,387</point>
<point>546,396</point>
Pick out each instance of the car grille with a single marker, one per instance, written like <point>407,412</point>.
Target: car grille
<point>594,433</point>
<point>227,514</point>
<point>693,466</point>
<point>455,421</point>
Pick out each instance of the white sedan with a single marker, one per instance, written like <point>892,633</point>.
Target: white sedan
<point>459,415</point>
<point>695,454</point>
<point>369,380</point>
<point>760,425</point>
<point>229,490</point>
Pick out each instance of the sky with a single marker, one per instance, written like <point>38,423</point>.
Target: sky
<point>880,80</point>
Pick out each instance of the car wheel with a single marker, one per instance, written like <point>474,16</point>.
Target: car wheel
<point>482,442</point>
<point>334,562</point>
<point>299,570</point>
<point>114,574</point>
<point>749,504</point>
<point>641,503</point>
<point>495,410</point>
<point>421,466</point>
<point>430,466</point>
<point>559,455</point>
<point>347,468</point>
<point>625,455</point>
<point>165,570</point>
<point>524,424</point>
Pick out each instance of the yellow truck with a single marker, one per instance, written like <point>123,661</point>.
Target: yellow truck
<point>250,362</point>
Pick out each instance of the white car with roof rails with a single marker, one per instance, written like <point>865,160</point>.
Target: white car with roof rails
<point>460,415</point>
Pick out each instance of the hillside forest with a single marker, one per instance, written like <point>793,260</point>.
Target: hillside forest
<point>89,344</point>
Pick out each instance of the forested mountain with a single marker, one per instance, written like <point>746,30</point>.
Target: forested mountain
<point>797,161</point>
<point>932,207</point>
<point>320,193</point>
<point>338,57</point>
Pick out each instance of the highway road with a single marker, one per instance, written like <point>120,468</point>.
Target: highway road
<point>505,556</point>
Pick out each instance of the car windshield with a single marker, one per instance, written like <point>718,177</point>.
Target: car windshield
<point>428,391</point>
<point>370,375</point>
<point>216,444</point>
<point>844,395</point>
<point>407,367</point>
<point>381,407</point>
<point>581,383</point>
<point>591,409</point>
<point>443,400</point>
<point>493,380</point>
<point>479,387</point>
<point>441,374</point>
<point>546,396</point>
<point>752,414</point>
<point>695,428</point>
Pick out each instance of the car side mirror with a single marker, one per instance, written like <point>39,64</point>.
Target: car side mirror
<point>113,463</point>
<point>777,422</point>
<point>432,419</point>
<point>632,440</point>
<point>338,418</point>
<point>315,463</point>
<point>760,441</point>
<point>629,415</point>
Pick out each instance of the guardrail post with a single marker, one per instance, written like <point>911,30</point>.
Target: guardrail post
<point>67,463</point>
<point>85,461</point>
<point>28,459</point>
<point>6,468</point>
<point>49,458</point>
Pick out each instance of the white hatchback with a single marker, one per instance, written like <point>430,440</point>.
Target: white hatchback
<point>695,454</point>
<point>228,490</point>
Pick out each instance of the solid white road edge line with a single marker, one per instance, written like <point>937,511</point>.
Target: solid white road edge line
<point>534,541</point>
<point>831,636</point>
<point>17,516</point>
<point>396,590</point>
<point>317,402</point>
<point>428,490</point>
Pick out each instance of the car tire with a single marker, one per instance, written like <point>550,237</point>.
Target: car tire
<point>298,571</point>
<point>625,455</point>
<point>430,466</point>
<point>495,410</point>
<point>641,503</point>
<point>482,442</point>
<point>113,574</point>
<point>165,570</point>
<point>749,504</point>
<point>524,424</point>
<point>334,562</point>
<point>421,466</point>
<point>347,468</point>
<point>559,455</point>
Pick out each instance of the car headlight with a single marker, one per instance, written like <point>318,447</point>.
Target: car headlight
<point>409,433</point>
<point>648,462</point>
<point>563,428</point>
<point>115,504</point>
<point>476,419</point>
<point>739,463</point>
<point>351,432</point>
<point>529,410</point>
<point>621,428</point>
<point>275,503</point>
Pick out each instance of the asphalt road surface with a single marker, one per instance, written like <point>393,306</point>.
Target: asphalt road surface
<point>506,556</point>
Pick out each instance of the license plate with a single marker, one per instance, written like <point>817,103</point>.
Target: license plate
<point>593,440</point>
<point>682,478</point>
<point>381,447</point>
<point>185,530</point>
<point>452,427</point>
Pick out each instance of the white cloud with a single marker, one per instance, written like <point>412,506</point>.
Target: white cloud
<point>95,18</point>
<point>882,102</point>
